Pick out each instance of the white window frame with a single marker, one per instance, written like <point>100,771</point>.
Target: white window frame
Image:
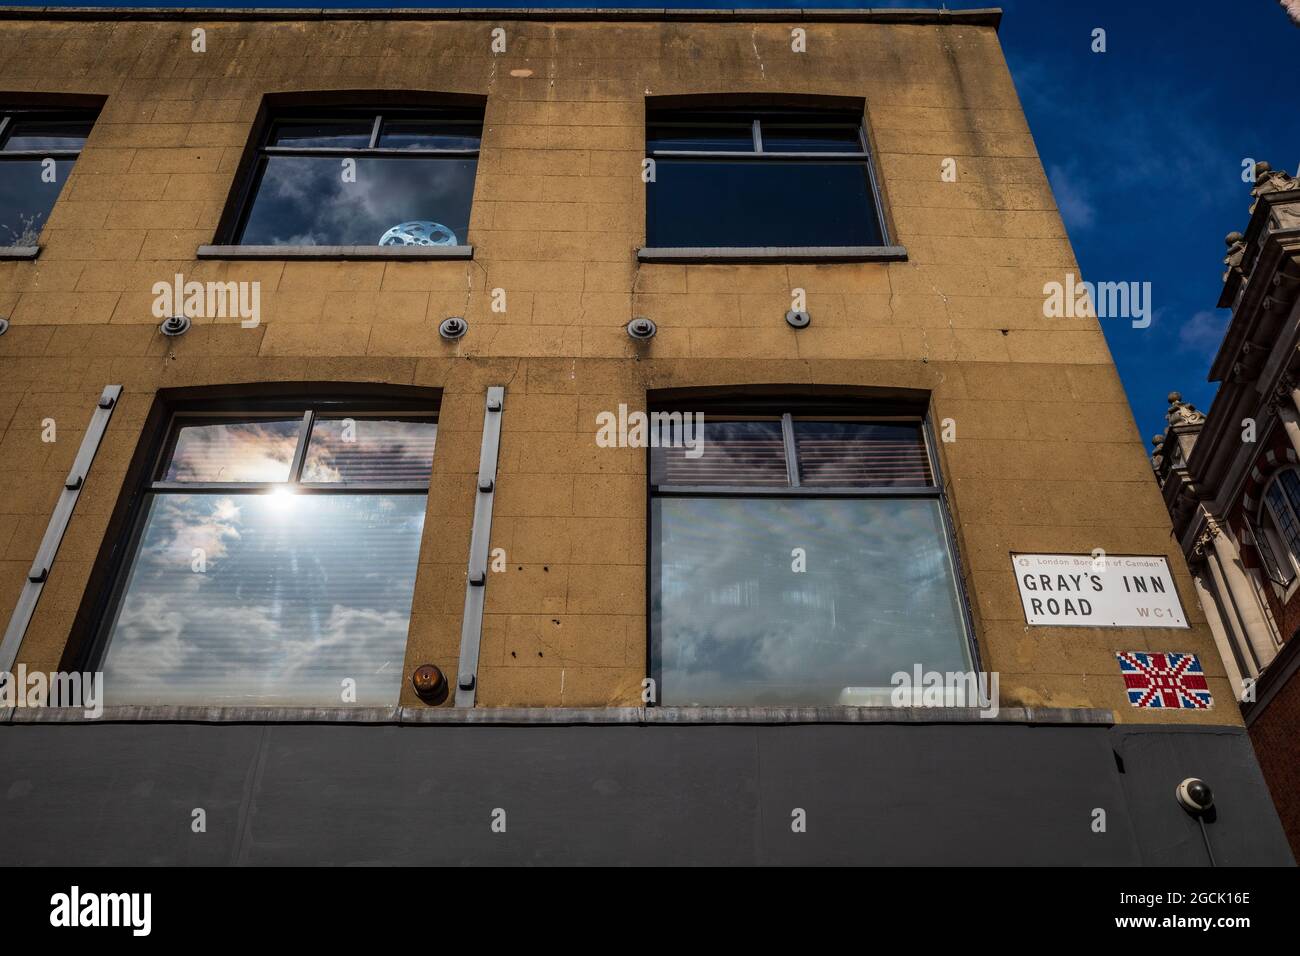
<point>1268,523</point>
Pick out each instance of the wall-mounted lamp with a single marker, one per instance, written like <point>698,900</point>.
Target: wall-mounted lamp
<point>4,326</point>
<point>798,320</point>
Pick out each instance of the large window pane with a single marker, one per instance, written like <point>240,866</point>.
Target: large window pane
<point>240,451</point>
<point>734,625</point>
<point>304,200</point>
<point>369,450</point>
<point>298,593</point>
<point>861,454</point>
<point>750,203</point>
<point>26,199</point>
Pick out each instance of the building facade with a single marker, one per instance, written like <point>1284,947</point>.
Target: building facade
<point>583,434</point>
<point>1229,480</point>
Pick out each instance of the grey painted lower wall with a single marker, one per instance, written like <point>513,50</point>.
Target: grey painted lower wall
<point>340,793</point>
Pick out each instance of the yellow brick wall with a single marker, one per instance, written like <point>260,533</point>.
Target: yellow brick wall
<point>1046,457</point>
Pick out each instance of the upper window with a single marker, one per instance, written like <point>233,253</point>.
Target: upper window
<point>37,150</point>
<point>351,177</point>
<point>760,178</point>
<point>1277,533</point>
<point>800,559</point>
<point>273,560</point>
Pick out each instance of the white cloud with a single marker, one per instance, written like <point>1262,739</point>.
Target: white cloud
<point>1203,332</point>
<point>1072,198</point>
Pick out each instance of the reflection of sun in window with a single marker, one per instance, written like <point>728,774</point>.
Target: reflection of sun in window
<point>283,500</point>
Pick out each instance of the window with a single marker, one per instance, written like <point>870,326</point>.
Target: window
<point>800,559</point>
<point>760,178</point>
<point>356,177</point>
<point>273,557</point>
<point>38,148</point>
<point>1277,535</point>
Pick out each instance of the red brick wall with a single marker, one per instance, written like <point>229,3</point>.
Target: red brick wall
<point>1278,748</point>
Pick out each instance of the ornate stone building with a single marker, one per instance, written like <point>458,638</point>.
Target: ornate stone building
<point>1232,486</point>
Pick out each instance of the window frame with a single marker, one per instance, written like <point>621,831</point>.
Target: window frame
<point>807,411</point>
<point>71,113</point>
<point>758,152</point>
<point>89,645</point>
<point>795,489</point>
<point>345,105</point>
<point>309,416</point>
<point>376,131</point>
<point>1268,523</point>
<point>885,250</point>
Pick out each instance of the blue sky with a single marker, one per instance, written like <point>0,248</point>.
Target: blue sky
<point>1143,144</point>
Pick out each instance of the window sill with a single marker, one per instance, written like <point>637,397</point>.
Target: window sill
<point>560,716</point>
<point>19,252</point>
<point>345,253</point>
<point>771,254</point>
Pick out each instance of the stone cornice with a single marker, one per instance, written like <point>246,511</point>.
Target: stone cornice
<point>1270,241</point>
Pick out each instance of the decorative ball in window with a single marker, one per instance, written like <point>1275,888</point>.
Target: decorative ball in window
<point>419,233</point>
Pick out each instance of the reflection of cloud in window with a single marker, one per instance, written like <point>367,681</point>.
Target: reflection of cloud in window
<point>210,532</point>
<point>305,201</point>
<point>287,611</point>
<point>252,451</point>
<point>736,621</point>
<point>380,450</point>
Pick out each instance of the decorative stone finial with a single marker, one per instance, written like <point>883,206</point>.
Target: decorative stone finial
<point>1181,412</point>
<point>1270,180</point>
<point>1157,453</point>
<point>1236,244</point>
